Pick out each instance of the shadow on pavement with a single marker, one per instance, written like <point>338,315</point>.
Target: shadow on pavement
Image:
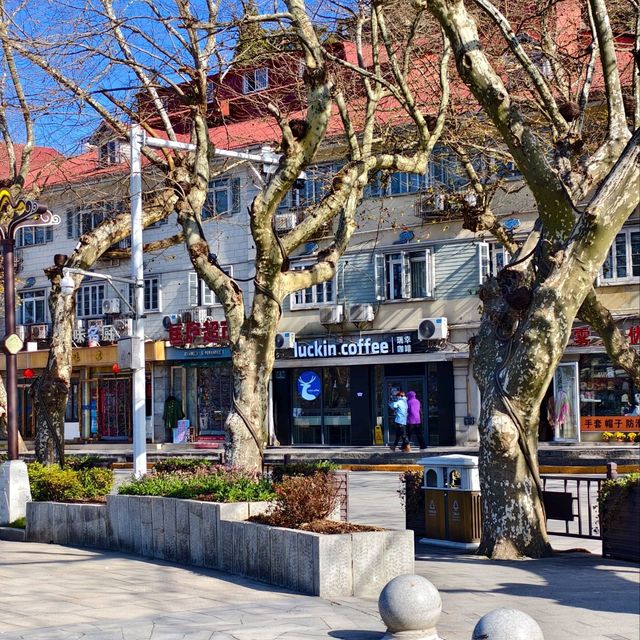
<point>579,580</point>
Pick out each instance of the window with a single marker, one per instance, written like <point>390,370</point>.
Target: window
<point>492,259</point>
<point>255,80</point>
<point>108,152</point>
<point>32,306</point>
<point>89,300</point>
<point>405,274</point>
<point>151,294</point>
<point>29,236</point>
<point>80,221</point>
<point>312,189</point>
<point>223,198</point>
<point>199,293</point>
<point>398,183</point>
<point>622,263</point>
<point>322,293</point>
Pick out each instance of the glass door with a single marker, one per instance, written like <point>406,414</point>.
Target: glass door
<point>566,403</point>
<point>403,383</point>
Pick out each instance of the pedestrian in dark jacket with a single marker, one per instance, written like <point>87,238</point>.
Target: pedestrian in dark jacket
<point>414,419</point>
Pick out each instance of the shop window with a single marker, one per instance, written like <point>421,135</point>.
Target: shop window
<point>605,390</point>
<point>405,275</point>
<point>199,293</point>
<point>622,264</point>
<point>492,258</point>
<point>89,299</point>
<point>323,293</point>
<point>32,307</point>
<point>321,406</point>
<point>71,412</point>
<point>29,236</point>
<point>223,198</point>
<point>255,80</point>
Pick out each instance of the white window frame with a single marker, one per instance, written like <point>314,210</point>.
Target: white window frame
<point>86,290</point>
<point>108,152</point>
<point>612,254</point>
<point>404,258</point>
<point>40,235</point>
<point>149,282</point>
<point>319,294</point>
<point>490,257</point>
<point>255,80</point>
<point>199,293</point>
<point>31,298</point>
<point>229,186</point>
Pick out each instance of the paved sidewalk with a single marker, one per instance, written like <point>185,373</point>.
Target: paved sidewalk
<point>50,592</point>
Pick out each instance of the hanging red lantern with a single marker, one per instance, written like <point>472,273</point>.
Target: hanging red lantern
<point>28,373</point>
<point>116,368</point>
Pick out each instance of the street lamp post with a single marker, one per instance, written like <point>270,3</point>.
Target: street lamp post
<point>14,481</point>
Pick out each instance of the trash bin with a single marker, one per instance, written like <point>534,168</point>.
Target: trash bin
<point>451,486</point>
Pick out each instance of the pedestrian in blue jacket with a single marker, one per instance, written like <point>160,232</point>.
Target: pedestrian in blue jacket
<point>400,408</point>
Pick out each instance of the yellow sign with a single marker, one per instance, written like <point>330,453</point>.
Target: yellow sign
<point>378,434</point>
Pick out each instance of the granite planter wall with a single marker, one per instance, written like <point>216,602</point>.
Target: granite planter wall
<point>620,523</point>
<point>217,536</point>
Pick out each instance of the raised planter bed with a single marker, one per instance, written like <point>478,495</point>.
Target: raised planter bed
<point>217,536</point>
<point>620,521</point>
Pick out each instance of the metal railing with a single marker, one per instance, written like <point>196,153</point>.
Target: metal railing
<point>573,501</point>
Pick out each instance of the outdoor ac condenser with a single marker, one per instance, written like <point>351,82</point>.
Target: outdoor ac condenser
<point>433,329</point>
<point>285,340</point>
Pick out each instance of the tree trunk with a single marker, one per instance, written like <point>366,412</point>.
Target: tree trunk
<point>51,391</point>
<point>253,358</point>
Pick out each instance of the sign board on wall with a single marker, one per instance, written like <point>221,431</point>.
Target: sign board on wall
<point>610,423</point>
<point>351,346</point>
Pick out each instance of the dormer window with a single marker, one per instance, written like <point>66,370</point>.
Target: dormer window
<point>255,80</point>
<point>108,152</point>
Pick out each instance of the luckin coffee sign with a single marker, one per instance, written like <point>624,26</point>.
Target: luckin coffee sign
<point>363,346</point>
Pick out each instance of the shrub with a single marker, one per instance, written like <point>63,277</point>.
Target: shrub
<point>632,437</point>
<point>18,523</point>
<point>305,469</point>
<point>607,435</point>
<point>302,499</point>
<point>53,484</point>
<point>220,484</point>
<point>95,481</point>
<point>171,465</point>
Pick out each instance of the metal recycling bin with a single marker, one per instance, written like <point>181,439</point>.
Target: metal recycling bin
<point>451,486</point>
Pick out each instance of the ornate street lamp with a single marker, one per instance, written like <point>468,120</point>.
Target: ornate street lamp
<point>13,474</point>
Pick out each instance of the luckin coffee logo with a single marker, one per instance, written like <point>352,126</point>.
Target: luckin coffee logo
<point>308,385</point>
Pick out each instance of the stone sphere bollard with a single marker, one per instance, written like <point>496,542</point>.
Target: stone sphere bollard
<point>410,606</point>
<point>507,624</point>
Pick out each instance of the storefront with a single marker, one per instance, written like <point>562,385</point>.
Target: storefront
<point>336,390</point>
<point>591,398</point>
<point>201,383</point>
<point>99,402</point>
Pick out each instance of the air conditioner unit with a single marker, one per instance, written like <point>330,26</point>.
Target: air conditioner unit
<point>284,221</point>
<point>331,315</point>
<point>428,206</point>
<point>196,314</point>
<point>433,329</point>
<point>171,319</point>
<point>285,340</point>
<point>38,332</point>
<point>111,305</point>
<point>124,326</point>
<point>361,313</point>
<point>79,325</point>
<point>96,322</point>
<point>21,330</point>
